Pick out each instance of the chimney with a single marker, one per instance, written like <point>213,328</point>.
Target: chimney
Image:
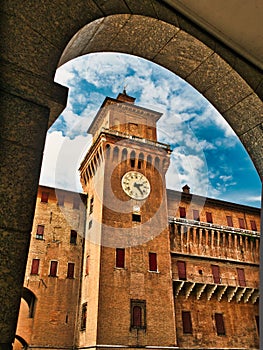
<point>186,189</point>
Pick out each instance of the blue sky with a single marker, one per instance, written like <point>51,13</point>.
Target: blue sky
<point>207,155</point>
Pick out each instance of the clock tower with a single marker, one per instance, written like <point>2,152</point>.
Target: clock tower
<point>126,296</point>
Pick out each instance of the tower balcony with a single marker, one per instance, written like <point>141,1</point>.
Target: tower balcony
<point>204,286</point>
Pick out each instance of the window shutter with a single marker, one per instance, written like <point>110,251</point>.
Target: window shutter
<point>187,323</point>
<point>53,268</point>
<point>40,231</point>
<point>137,316</point>
<point>253,225</point>
<point>152,261</point>
<point>209,217</point>
<point>182,212</point>
<point>44,197</point>
<point>196,215</point>
<point>241,277</point>
<point>73,236</point>
<point>241,223</point>
<point>220,327</point>
<point>229,221</point>
<point>70,270</point>
<point>120,257</point>
<point>181,270</point>
<point>216,273</point>
<point>34,266</point>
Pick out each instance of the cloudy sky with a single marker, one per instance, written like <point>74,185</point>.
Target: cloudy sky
<point>206,155</point>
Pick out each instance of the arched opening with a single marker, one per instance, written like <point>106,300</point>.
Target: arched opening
<point>22,345</point>
<point>30,299</point>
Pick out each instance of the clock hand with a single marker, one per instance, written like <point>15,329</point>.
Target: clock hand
<point>138,186</point>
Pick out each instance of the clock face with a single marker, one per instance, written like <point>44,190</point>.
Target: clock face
<point>135,185</point>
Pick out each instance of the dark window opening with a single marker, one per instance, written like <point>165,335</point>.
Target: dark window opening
<point>182,212</point>
<point>220,327</point>
<point>216,273</point>
<point>120,257</point>
<point>181,270</point>
<point>241,222</point>
<point>139,164</point>
<point>40,232</point>
<point>152,261</point>
<point>91,205</point>
<point>138,314</point>
<point>132,162</point>
<point>44,197</point>
<point>53,268</point>
<point>90,224</point>
<point>136,217</point>
<point>70,273</point>
<point>187,322</point>
<point>83,320</point>
<point>196,215</point>
<point>229,221</point>
<point>73,237</point>
<point>209,218</point>
<point>35,267</point>
<point>253,225</point>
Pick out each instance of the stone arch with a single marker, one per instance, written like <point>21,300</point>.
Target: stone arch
<point>22,341</point>
<point>30,299</point>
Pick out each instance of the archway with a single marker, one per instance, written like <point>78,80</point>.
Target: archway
<point>33,38</point>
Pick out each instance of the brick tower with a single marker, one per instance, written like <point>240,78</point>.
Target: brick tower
<point>126,297</point>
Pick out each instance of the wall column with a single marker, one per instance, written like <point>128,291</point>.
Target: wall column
<point>23,126</point>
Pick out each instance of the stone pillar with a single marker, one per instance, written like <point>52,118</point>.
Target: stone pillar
<point>23,125</point>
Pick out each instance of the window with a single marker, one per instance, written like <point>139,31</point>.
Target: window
<point>44,197</point>
<point>181,270</point>
<point>253,225</point>
<point>139,164</point>
<point>83,320</point>
<point>209,217</point>
<point>182,212</point>
<point>241,277</point>
<point>136,217</point>
<point>90,224</point>
<point>229,221</point>
<point>196,215</point>
<point>138,314</point>
<point>241,223</point>
<point>75,203</point>
<point>61,200</point>
<point>87,265</point>
<point>73,237</point>
<point>91,205</point>
<point>220,327</point>
<point>187,322</point>
<point>40,232</point>
<point>70,273</point>
<point>53,268</point>
<point>152,261</point>
<point>35,267</point>
<point>216,273</point>
<point>132,161</point>
<point>120,257</point>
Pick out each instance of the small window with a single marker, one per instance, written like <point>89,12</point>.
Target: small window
<point>87,264</point>
<point>40,232</point>
<point>187,322</point>
<point>35,267</point>
<point>138,314</point>
<point>132,162</point>
<point>229,221</point>
<point>83,320</point>
<point>216,273</point>
<point>209,218</point>
<point>253,225</point>
<point>152,261</point>
<point>90,224</point>
<point>73,237</point>
<point>70,273</point>
<point>241,277</point>
<point>136,217</point>
<point>53,268</point>
<point>241,222</point>
<point>120,257</point>
<point>61,199</point>
<point>196,214</point>
<point>76,203</point>
<point>182,212</point>
<point>139,164</point>
<point>91,205</point>
<point>181,270</point>
<point>44,197</point>
<point>220,327</point>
